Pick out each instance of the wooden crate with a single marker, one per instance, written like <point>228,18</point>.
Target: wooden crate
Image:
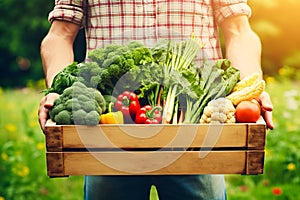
<point>155,149</point>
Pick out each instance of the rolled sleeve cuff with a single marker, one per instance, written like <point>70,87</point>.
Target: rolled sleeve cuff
<point>67,13</point>
<point>232,10</point>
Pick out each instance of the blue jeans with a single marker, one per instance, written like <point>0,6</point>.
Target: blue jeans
<point>187,187</point>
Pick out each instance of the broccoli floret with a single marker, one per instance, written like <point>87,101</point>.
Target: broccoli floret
<point>95,69</point>
<point>88,106</point>
<point>97,55</point>
<point>79,117</point>
<point>99,110</point>
<point>100,100</point>
<point>121,50</point>
<point>107,63</point>
<point>57,101</point>
<point>79,85</point>
<point>95,80</point>
<point>90,92</point>
<point>142,55</point>
<point>129,64</point>
<point>83,98</point>
<point>68,92</point>
<point>111,47</point>
<point>55,110</point>
<point>72,105</point>
<point>87,70</point>
<point>90,74</point>
<point>92,118</point>
<point>134,44</point>
<point>63,117</point>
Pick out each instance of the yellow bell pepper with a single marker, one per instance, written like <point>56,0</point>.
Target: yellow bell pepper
<point>112,117</point>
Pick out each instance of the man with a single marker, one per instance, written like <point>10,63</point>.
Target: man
<point>147,21</point>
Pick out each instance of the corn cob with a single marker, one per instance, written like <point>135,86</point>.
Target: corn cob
<point>246,82</point>
<point>248,93</point>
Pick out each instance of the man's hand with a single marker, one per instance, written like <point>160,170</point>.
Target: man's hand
<point>266,108</point>
<point>45,104</point>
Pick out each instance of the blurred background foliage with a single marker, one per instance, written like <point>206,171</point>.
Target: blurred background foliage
<point>277,24</point>
<point>24,23</point>
<point>22,26</point>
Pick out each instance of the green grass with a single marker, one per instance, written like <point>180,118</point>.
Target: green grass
<point>23,173</point>
<point>23,163</point>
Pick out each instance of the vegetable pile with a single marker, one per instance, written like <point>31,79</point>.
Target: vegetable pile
<point>163,84</point>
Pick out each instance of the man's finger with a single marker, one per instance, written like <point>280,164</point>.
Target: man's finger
<point>267,107</point>
<point>269,119</point>
<point>265,101</point>
<point>50,98</point>
<point>45,104</point>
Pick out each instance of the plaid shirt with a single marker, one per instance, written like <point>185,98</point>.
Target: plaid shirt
<point>147,21</point>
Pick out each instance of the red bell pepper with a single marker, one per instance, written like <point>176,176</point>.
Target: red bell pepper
<point>128,103</point>
<point>149,115</point>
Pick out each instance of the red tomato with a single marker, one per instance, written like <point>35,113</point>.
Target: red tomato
<point>247,112</point>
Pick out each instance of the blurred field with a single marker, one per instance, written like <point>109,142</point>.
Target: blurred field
<point>22,152</point>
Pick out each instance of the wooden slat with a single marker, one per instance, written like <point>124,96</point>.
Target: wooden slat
<point>255,162</point>
<point>256,136</point>
<point>145,163</point>
<point>54,138</point>
<point>55,164</point>
<point>157,136</point>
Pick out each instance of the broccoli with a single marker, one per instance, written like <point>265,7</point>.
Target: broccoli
<point>78,104</point>
<point>115,61</point>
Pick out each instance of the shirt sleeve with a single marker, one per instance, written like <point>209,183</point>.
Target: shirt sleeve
<point>68,10</point>
<point>227,8</point>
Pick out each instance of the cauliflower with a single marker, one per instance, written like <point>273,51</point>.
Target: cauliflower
<point>218,111</point>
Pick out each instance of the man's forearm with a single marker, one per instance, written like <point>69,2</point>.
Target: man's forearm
<point>244,52</point>
<point>243,46</point>
<point>56,54</point>
<point>57,48</point>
